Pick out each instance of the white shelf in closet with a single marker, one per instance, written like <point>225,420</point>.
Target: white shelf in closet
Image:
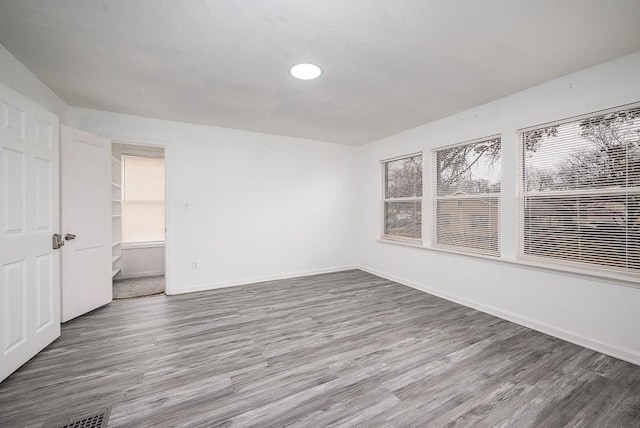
<point>116,209</point>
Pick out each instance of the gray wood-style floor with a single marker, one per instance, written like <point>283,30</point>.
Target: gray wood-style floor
<point>340,349</point>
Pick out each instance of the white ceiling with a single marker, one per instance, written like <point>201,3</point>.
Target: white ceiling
<point>388,65</point>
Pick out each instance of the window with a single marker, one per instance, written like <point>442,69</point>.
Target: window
<point>580,191</point>
<point>467,199</point>
<point>403,198</point>
<point>143,199</point>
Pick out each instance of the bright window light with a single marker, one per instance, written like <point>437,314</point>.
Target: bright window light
<point>143,199</point>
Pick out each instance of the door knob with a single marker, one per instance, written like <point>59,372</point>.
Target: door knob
<point>69,236</point>
<point>57,241</point>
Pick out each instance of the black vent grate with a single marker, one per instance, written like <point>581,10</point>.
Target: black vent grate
<point>95,420</point>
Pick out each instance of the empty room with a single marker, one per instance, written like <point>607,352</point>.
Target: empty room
<point>368,213</point>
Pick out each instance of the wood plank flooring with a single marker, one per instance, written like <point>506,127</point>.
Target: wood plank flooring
<point>342,349</point>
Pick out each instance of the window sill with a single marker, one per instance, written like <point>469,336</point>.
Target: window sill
<point>526,263</point>
<point>422,246</point>
<point>140,245</point>
<point>609,276</point>
<point>402,241</point>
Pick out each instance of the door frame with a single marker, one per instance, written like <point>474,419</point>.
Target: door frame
<point>166,146</point>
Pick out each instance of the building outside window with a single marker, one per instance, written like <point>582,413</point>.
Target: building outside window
<point>580,191</point>
<point>467,196</point>
<point>479,221</point>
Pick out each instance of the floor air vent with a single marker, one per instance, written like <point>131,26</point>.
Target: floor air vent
<point>94,420</point>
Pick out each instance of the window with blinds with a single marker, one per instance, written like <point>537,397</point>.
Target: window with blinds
<point>402,201</point>
<point>467,196</point>
<point>143,199</point>
<point>580,191</point>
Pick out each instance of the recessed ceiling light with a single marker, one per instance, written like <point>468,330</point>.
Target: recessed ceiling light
<point>305,71</point>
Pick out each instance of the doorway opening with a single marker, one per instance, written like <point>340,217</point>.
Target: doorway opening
<point>138,184</point>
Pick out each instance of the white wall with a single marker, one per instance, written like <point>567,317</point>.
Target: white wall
<point>140,261</point>
<point>19,78</point>
<point>596,313</point>
<point>245,206</point>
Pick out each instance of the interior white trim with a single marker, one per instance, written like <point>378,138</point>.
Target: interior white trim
<point>166,147</point>
<point>598,346</point>
<point>138,245</point>
<point>247,281</point>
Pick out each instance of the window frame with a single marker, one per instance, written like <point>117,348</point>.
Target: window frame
<point>476,196</point>
<point>580,267</point>
<point>385,200</point>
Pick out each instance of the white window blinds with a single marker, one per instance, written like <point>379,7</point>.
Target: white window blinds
<point>580,191</point>
<point>143,199</point>
<point>467,200</point>
<point>402,204</point>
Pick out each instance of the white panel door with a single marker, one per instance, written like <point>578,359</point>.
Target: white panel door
<point>86,213</point>
<point>29,216</point>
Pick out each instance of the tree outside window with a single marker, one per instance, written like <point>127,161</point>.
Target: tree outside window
<point>581,191</point>
<point>403,198</point>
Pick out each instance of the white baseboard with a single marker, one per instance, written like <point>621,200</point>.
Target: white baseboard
<point>234,283</point>
<point>614,351</point>
<point>140,274</point>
